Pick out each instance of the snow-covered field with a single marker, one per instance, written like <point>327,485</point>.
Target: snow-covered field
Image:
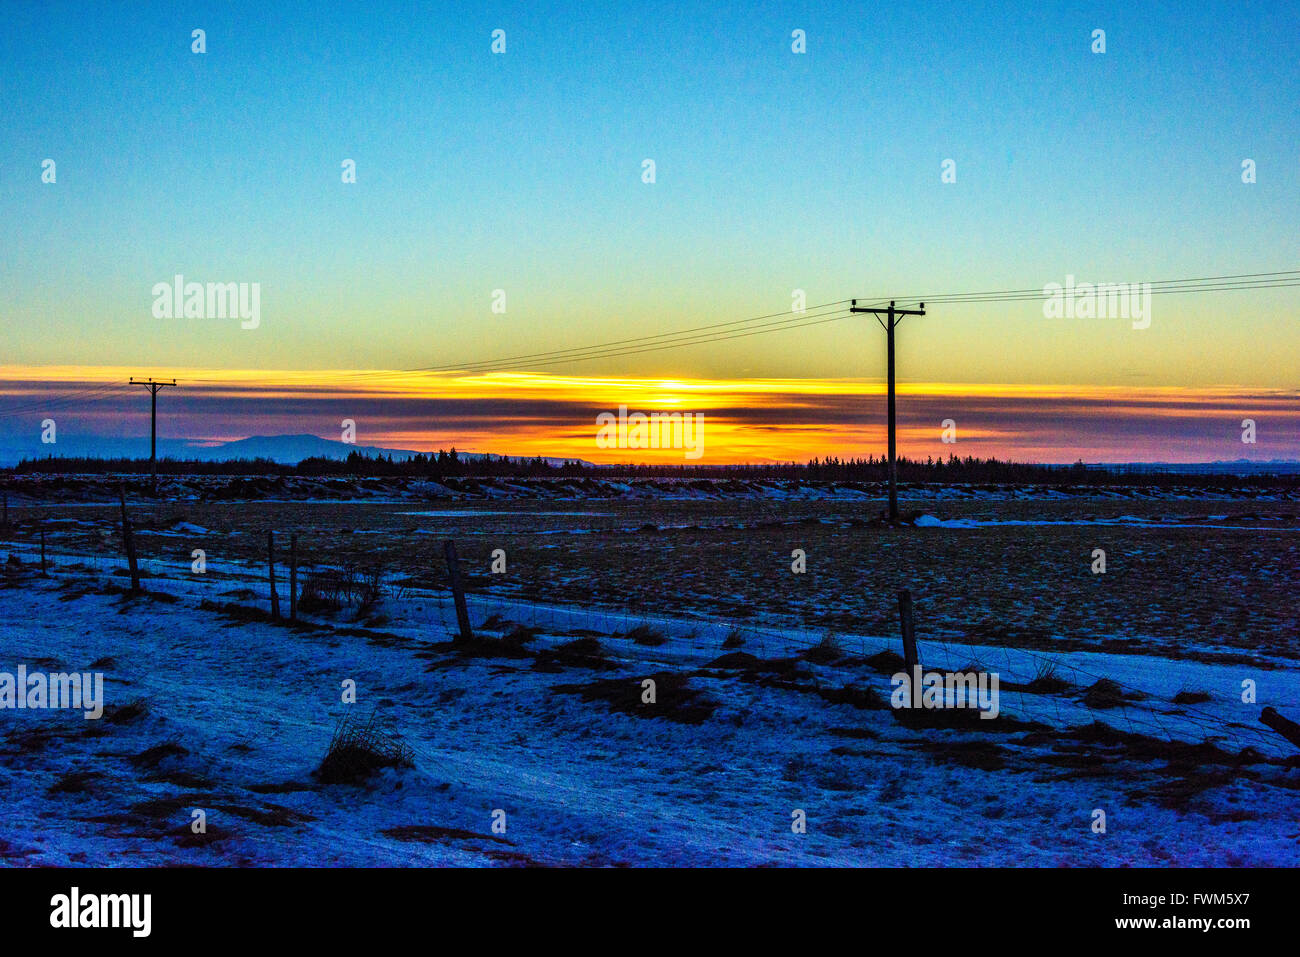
<point>210,705</point>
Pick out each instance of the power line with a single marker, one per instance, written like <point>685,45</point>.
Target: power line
<point>57,402</point>
<point>1101,288</point>
<point>604,351</point>
<point>808,312</point>
<point>687,337</point>
<point>684,338</point>
<point>1038,292</point>
<point>771,322</point>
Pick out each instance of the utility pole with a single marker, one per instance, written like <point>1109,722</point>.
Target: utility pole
<point>153,386</point>
<point>892,318</point>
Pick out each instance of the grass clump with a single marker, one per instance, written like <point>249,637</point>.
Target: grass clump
<point>359,749</point>
<point>1105,694</point>
<point>578,653</point>
<point>886,662</point>
<point>646,636</point>
<point>735,638</point>
<point>1048,680</point>
<point>825,651</point>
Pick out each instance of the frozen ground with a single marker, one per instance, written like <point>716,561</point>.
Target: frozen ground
<point>83,489</point>
<point>1206,580</point>
<point>213,706</point>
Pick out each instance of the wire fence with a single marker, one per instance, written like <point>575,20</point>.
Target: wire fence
<point>696,642</point>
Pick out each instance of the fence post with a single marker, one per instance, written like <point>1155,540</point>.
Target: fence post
<point>128,541</point>
<point>1283,726</point>
<point>910,659</point>
<point>42,550</point>
<point>293,577</point>
<point>270,566</point>
<point>457,590</point>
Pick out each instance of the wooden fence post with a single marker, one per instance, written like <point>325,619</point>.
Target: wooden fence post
<point>270,566</point>
<point>128,541</point>
<point>910,659</point>
<point>293,577</point>
<point>457,590</point>
<point>1283,726</point>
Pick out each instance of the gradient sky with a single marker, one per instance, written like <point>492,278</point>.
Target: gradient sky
<point>775,171</point>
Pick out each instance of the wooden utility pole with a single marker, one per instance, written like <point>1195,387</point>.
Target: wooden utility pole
<point>892,317</point>
<point>153,386</point>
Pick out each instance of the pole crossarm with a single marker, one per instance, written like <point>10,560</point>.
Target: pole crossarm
<point>153,384</point>
<point>894,314</point>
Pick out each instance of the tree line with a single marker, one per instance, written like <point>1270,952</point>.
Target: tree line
<point>448,463</point>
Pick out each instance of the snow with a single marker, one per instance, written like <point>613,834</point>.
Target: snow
<point>254,704</point>
<point>1123,521</point>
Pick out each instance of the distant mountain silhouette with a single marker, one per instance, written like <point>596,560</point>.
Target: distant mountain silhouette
<point>286,449</point>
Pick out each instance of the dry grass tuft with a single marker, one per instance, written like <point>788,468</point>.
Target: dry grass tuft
<point>358,750</point>
<point>646,636</point>
<point>1105,694</point>
<point>886,662</point>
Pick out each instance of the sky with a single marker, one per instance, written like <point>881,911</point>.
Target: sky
<point>775,172</point>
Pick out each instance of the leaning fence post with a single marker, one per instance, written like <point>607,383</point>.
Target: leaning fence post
<point>910,659</point>
<point>270,567</point>
<point>457,590</point>
<point>128,541</point>
<point>1283,726</point>
<point>293,577</point>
